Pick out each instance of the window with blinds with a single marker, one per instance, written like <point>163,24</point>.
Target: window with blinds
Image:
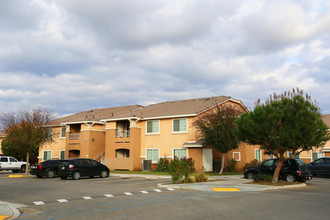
<point>152,127</point>
<point>180,125</point>
<point>152,154</point>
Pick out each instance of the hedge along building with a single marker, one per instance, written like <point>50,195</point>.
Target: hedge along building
<point>123,137</point>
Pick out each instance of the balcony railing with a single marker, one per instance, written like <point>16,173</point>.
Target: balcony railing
<point>75,136</point>
<point>122,134</point>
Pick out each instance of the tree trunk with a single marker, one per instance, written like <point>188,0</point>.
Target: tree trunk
<point>27,163</point>
<point>277,171</point>
<point>222,163</point>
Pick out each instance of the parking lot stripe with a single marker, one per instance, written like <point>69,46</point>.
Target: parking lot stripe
<point>15,175</point>
<point>144,192</point>
<point>62,200</point>
<point>157,190</point>
<point>225,189</point>
<point>39,203</point>
<point>87,197</point>
<point>128,193</point>
<point>170,189</point>
<point>108,195</point>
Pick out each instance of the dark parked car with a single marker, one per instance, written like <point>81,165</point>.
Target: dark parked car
<point>320,166</point>
<point>48,168</point>
<point>82,167</point>
<point>292,170</point>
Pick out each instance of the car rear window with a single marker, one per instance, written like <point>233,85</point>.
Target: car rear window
<point>300,162</point>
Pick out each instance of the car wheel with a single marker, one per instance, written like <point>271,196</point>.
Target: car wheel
<point>22,170</point>
<point>64,177</point>
<point>104,174</point>
<point>39,176</point>
<point>249,175</point>
<point>76,175</point>
<point>50,173</point>
<point>290,178</point>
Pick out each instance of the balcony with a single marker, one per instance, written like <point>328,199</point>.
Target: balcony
<point>122,134</point>
<point>75,136</point>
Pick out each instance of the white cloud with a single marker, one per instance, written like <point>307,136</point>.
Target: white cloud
<point>76,55</point>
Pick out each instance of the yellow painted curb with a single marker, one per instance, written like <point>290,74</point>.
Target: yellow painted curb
<point>3,217</point>
<point>15,175</point>
<point>225,189</point>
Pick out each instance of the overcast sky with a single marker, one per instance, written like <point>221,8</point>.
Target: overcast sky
<point>76,55</point>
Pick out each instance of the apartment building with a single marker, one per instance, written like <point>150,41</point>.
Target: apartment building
<point>123,137</point>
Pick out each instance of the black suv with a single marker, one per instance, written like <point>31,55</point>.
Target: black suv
<point>48,168</point>
<point>82,167</point>
<point>292,170</point>
<point>320,166</point>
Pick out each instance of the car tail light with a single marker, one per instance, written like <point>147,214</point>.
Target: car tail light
<point>70,166</point>
<point>39,166</point>
<point>298,172</point>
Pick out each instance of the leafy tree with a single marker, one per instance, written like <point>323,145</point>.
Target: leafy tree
<point>26,131</point>
<point>286,122</point>
<point>218,128</point>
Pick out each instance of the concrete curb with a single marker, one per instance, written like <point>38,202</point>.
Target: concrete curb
<point>9,211</point>
<point>200,187</point>
<point>141,175</point>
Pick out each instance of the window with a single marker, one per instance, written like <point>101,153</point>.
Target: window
<point>3,159</point>
<point>257,154</point>
<point>12,159</point>
<point>268,163</point>
<point>271,156</point>
<point>50,133</point>
<point>316,155</point>
<point>153,154</point>
<point>237,156</point>
<point>179,153</point>
<point>63,132</point>
<point>62,154</point>
<point>153,127</point>
<point>47,155</point>
<point>180,125</point>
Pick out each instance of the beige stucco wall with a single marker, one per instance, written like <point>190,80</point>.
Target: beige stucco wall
<point>55,147</point>
<point>166,141</point>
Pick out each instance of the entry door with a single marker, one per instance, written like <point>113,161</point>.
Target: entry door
<point>207,160</point>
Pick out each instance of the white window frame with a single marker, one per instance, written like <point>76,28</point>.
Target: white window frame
<point>61,154</point>
<point>43,154</point>
<point>173,154</point>
<point>153,149</point>
<point>239,156</point>
<point>318,155</point>
<point>151,133</point>
<point>255,154</point>
<point>179,132</point>
<point>63,137</point>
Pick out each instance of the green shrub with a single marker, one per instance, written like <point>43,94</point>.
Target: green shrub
<point>231,165</point>
<point>163,165</point>
<point>260,177</point>
<point>191,179</point>
<point>179,168</point>
<point>252,163</point>
<point>201,177</point>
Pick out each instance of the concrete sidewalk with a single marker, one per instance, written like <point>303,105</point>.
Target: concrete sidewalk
<point>216,183</point>
<point>9,210</point>
<point>228,183</point>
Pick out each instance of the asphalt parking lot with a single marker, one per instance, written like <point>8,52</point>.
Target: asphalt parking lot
<point>136,198</point>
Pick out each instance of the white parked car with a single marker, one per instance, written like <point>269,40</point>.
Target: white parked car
<point>10,163</point>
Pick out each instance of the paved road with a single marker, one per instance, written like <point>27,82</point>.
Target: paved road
<point>147,202</point>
